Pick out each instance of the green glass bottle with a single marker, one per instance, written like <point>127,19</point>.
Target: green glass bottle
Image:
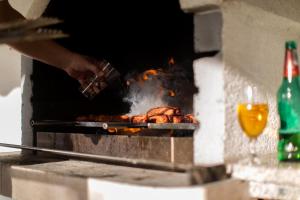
<point>288,99</point>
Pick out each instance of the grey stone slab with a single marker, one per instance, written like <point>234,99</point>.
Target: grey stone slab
<point>16,158</point>
<point>208,31</point>
<point>199,5</point>
<point>121,174</point>
<point>86,180</point>
<point>160,148</point>
<point>267,169</point>
<point>273,191</point>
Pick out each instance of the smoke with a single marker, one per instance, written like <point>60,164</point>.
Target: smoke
<point>144,96</point>
<point>156,90</point>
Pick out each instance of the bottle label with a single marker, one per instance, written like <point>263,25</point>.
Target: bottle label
<point>291,68</point>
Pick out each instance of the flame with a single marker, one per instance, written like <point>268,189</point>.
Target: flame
<point>171,93</point>
<point>112,130</point>
<point>149,72</point>
<point>171,61</point>
<point>132,130</point>
<point>124,130</point>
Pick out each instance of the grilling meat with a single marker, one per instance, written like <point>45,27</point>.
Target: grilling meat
<point>139,119</point>
<point>165,114</point>
<point>189,118</point>
<point>166,110</point>
<point>177,119</point>
<point>159,119</point>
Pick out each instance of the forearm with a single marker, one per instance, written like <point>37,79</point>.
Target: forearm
<point>46,51</point>
<point>77,66</point>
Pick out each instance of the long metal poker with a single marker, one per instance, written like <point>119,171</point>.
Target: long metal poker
<point>108,159</point>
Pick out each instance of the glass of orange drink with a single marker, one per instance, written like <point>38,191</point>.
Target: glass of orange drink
<point>253,115</point>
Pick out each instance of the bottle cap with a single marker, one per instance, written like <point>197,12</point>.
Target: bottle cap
<point>291,45</point>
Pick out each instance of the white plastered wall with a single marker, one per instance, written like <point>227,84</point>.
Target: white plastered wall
<point>15,84</point>
<point>10,96</point>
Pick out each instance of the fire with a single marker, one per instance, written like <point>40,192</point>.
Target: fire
<point>171,93</point>
<point>150,72</point>
<point>132,130</point>
<point>124,130</point>
<point>171,61</point>
<point>112,130</point>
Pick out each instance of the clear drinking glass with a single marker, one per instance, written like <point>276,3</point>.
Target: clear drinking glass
<point>95,83</point>
<point>253,115</point>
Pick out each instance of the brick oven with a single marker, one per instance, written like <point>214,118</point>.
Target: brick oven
<point>134,46</point>
<point>205,47</point>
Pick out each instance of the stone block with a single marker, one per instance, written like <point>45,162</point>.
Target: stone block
<point>253,34</point>
<point>208,31</point>
<point>268,178</point>
<point>253,52</point>
<point>199,5</point>
<point>87,180</point>
<point>159,148</point>
<point>15,158</point>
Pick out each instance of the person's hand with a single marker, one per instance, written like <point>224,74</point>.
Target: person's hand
<point>82,67</point>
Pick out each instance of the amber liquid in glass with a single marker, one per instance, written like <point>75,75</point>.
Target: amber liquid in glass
<point>253,118</point>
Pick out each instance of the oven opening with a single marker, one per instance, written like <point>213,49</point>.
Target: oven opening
<point>158,36</point>
<point>148,112</point>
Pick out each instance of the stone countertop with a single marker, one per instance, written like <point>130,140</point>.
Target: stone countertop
<point>267,170</point>
<point>17,158</point>
<point>75,179</point>
<point>113,173</point>
<point>269,178</point>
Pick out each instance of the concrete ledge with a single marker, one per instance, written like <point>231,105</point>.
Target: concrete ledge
<point>15,158</point>
<point>200,5</point>
<point>87,180</point>
<point>269,178</point>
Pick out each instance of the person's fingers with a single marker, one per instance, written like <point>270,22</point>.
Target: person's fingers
<point>93,68</point>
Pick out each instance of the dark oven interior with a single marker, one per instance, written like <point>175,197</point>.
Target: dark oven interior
<point>133,36</point>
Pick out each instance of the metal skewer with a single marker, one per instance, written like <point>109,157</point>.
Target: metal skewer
<point>150,164</point>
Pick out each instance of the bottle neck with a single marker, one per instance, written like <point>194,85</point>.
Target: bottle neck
<point>291,67</point>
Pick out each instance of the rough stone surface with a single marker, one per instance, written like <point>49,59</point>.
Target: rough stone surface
<point>254,54</point>
<point>253,37</point>
<point>268,170</point>
<point>15,158</point>
<point>208,31</point>
<point>199,5</point>
<point>268,177</point>
<point>87,180</point>
<point>285,8</point>
<point>273,191</point>
<point>160,148</point>
<point>114,173</point>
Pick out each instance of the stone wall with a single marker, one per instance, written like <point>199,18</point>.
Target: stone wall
<point>252,36</point>
<point>15,84</point>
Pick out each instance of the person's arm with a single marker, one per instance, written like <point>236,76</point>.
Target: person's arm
<point>49,51</point>
<point>54,54</point>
